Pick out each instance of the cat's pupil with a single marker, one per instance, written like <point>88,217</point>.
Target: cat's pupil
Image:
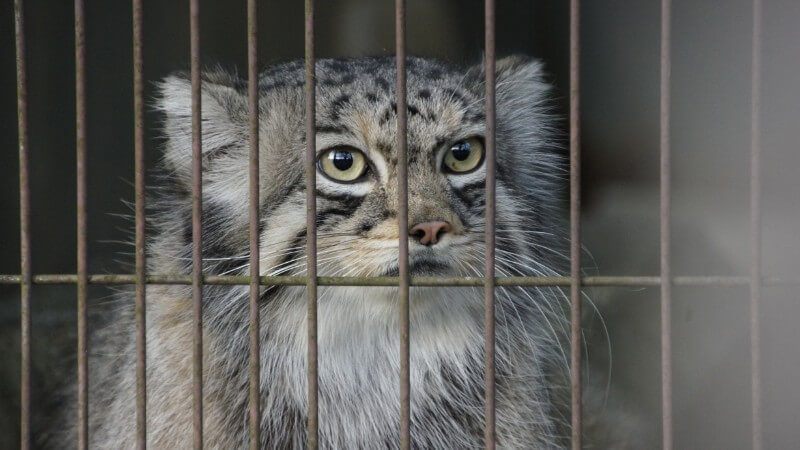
<point>461,151</point>
<point>342,160</point>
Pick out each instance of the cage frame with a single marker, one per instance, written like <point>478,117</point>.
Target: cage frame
<point>755,280</point>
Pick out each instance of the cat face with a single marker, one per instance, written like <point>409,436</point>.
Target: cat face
<point>357,197</point>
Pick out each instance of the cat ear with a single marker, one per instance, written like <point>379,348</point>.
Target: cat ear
<point>521,91</point>
<point>224,118</point>
<point>521,88</point>
<point>526,128</point>
<point>524,107</point>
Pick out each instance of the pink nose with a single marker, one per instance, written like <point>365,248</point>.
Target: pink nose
<point>428,232</point>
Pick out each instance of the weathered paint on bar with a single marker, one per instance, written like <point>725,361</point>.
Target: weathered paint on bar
<point>595,281</point>
<point>82,279</point>
<point>402,223</point>
<point>311,228</point>
<point>755,230</point>
<point>197,228</point>
<point>575,224</point>
<point>141,262</point>
<point>665,216</point>
<point>24,229</point>
<point>491,173</point>
<point>252,93</point>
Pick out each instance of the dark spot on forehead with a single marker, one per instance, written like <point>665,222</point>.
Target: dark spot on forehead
<point>337,65</point>
<point>475,117</point>
<point>338,105</point>
<point>365,225</point>
<point>386,117</point>
<point>331,129</point>
<point>383,147</point>
<point>455,95</point>
<point>424,94</point>
<point>371,97</point>
<point>210,156</point>
<point>440,141</point>
<point>382,83</point>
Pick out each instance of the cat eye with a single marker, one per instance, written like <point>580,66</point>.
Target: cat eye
<point>343,164</point>
<point>463,156</point>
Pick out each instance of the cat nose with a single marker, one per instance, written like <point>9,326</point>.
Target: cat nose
<point>428,233</point>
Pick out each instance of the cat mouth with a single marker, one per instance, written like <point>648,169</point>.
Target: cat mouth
<point>421,267</point>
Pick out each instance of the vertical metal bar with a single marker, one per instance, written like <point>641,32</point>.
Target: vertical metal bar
<point>666,211</point>
<point>197,228</point>
<point>575,223</point>
<point>489,334</point>
<point>311,225</point>
<point>139,169</point>
<point>80,133</point>
<point>402,224</point>
<point>24,230</point>
<point>255,348</point>
<point>755,229</point>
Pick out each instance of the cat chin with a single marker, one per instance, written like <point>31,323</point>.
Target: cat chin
<point>423,268</point>
<point>379,305</point>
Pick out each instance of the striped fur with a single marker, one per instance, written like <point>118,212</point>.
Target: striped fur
<point>358,327</point>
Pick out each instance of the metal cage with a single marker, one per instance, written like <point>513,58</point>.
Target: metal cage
<point>575,281</point>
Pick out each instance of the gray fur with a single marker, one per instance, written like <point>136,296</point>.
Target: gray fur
<point>358,327</point>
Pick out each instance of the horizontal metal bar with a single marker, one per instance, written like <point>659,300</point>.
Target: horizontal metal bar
<point>597,281</point>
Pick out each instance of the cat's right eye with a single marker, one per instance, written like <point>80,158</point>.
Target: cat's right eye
<point>463,156</point>
<point>343,164</point>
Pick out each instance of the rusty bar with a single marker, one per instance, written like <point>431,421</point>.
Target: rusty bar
<point>82,282</point>
<point>255,348</point>
<point>24,230</point>
<point>139,169</point>
<point>402,224</point>
<point>666,211</point>
<point>575,223</point>
<point>283,280</point>
<point>197,227</point>
<point>489,282</point>
<point>311,226</point>
<point>755,229</point>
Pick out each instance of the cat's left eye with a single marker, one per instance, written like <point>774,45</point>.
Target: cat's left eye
<point>343,164</point>
<point>463,156</point>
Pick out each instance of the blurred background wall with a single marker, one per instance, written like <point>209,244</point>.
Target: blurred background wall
<point>711,138</point>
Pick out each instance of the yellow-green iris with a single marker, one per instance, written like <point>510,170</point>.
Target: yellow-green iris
<point>464,156</point>
<point>344,164</point>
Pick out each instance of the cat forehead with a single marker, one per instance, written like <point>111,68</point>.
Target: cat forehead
<point>358,98</point>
